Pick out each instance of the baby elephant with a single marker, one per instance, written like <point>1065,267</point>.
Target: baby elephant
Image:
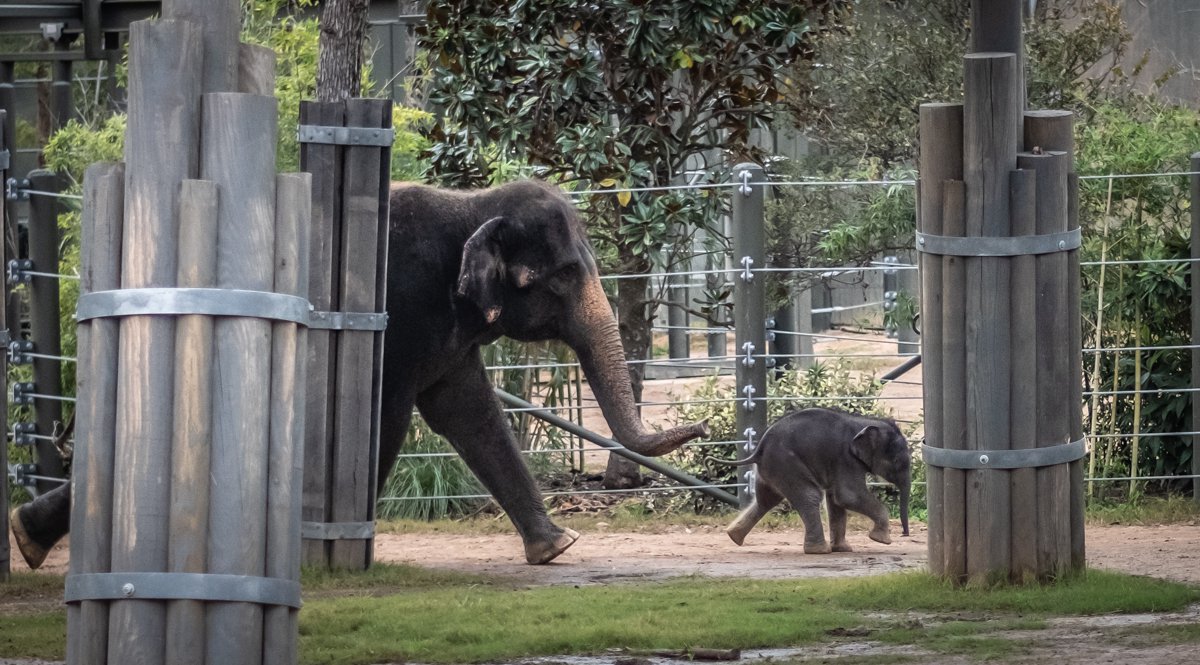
<point>814,451</point>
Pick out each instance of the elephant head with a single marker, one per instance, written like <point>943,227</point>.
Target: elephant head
<point>884,451</point>
<point>531,273</point>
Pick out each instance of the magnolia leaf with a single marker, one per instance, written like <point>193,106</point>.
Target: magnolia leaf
<point>608,182</point>
<point>624,197</point>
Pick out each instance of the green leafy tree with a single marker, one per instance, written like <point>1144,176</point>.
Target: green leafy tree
<point>619,94</point>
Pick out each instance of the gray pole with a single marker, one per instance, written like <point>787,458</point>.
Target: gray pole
<point>1195,326</point>
<point>43,322</point>
<point>749,314</point>
<point>4,547</point>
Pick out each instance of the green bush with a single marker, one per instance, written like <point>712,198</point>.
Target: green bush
<point>420,485</point>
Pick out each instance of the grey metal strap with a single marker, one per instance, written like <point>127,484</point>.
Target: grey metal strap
<point>183,586</point>
<point>5,157</point>
<point>999,246</point>
<point>213,302</point>
<point>1003,459</point>
<point>374,136</point>
<point>348,321</point>
<point>337,530</point>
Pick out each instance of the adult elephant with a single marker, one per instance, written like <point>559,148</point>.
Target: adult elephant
<point>464,269</point>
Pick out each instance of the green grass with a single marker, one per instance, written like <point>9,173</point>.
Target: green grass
<point>405,613</point>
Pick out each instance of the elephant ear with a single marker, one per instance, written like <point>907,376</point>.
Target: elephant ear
<point>479,277</point>
<point>863,444</point>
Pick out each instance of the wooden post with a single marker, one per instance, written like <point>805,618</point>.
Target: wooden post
<point>940,160</point>
<point>996,27</point>
<point>954,382</point>
<point>749,315</point>
<point>324,162</point>
<point>1026,347</point>
<point>991,137</point>
<point>238,154</point>
<point>191,461</point>
<point>293,212</point>
<point>160,152</point>
<point>96,409</point>
<point>44,322</point>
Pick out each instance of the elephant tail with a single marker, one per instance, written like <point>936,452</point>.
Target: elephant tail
<point>752,459</point>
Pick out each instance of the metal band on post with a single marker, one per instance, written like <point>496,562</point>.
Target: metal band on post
<point>1003,459</point>
<point>180,301</point>
<point>368,321</point>
<point>337,530</point>
<point>999,246</point>
<point>330,135</point>
<point>182,586</point>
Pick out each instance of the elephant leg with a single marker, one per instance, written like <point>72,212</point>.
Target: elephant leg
<point>765,498</point>
<point>396,410</point>
<point>463,408</point>
<point>837,525</point>
<point>806,499</point>
<point>41,523</point>
<point>864,502</point>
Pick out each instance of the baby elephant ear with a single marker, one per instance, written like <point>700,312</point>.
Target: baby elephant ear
<point>863,445</point>
<point>479,277</point>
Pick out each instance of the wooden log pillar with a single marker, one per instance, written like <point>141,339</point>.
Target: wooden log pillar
<point>5,165</point>
<point>197,419</point>
<point>346,147</point>
<point>1005,496</point>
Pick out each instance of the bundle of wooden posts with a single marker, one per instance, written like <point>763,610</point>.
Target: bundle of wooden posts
<point>999,234</point>
<point>186,515</point>
<point>346,145</point>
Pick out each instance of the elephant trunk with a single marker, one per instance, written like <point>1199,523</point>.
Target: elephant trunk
<point>593,334</point>
<point>904,492</point>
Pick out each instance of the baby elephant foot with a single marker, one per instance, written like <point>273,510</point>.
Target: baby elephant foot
<point>33,552</point>
<point>842,547</point>
<point>544,551</point>
<point>880,535</point>
<point>817,548</point>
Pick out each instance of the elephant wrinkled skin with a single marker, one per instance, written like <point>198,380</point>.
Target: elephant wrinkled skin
<point>819,452</point>
<point>464,269</point>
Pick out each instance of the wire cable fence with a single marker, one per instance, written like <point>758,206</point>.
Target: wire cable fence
<point>718,366</point>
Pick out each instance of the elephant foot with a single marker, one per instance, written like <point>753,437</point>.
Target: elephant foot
<point>880,535</point>
<point>33,553</point>
<point>842,547</point>
<point>736,535</point>
<point>544,551</point>
<point>817,548</point>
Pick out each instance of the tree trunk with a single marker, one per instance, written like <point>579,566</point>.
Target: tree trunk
<point>636,337</point>
<point>340,63</point>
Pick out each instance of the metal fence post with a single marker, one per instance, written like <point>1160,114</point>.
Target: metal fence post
<point>5,157</point>
<point>749,314</point>
<point>44,330</point>
<point>1195,325</point>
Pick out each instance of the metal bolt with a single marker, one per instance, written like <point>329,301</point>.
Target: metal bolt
<point>127,590</point>
<point>983,459</point>
<point>1062,244</point>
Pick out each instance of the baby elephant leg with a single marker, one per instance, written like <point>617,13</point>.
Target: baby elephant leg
<point>837,525</point>
<point>865,503</point>
<point>765,498</point>
<point>806,499</point>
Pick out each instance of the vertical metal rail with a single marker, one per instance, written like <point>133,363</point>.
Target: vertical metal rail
<point>5,161</point>
<point>749,315</point>
<point>1195,324</point>
<point>44,323</point>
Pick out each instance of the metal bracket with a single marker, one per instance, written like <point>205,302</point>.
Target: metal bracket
<point>23,474</point>
<point>748,391</point>
<point>368,136</point>
<point>745,188</point>
<point>5,160</point>
<point>347,321</point>
<point>19,271</point>
<point>182,586</point>
<point>23,392</point>
<point>16,190</point>
<point>748,348</point>
<point>211,302</point>
<point>1004,459</point>
<point>18,352</point>
<point>1048,243</point>
<point>749,433</point>
<point>23,433</point>
<point>747,275</point>
<point>337,530</point>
